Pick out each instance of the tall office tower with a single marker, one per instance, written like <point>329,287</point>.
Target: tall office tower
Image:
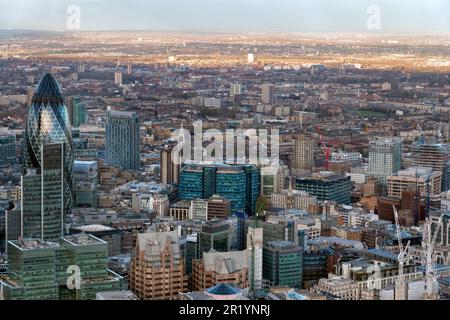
<point>214,235</point>
<point>41,270</point>
<point>48,123</point>
<point>268,93</point>
<point>157,270</point>
<point>170,171</point>
<point>118,78</point>
<point>255,258</point>
<point>85,178</point>
<point>123,142</point>
<point>7,149</point>
<point>385,158</point>
<point>282,264</point>
<point>30,94</point>
<point>42,195</point>
<point>304,148</point>
<point>238,183</point>
<point>190,252</point>
<point>235,89</point>
<point>129,69</point>
<point>9,223</point>
<point>435,156</point>
<point>77,111</point>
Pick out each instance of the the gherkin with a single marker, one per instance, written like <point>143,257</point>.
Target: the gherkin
<point>48,123</point>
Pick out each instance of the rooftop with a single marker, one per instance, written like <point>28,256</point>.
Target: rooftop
<point>383,253</point>
<point>225,262</point>
<point>223,289</point>
<point>83,240</point>
<point>32,244</point>
<point>324,176</point>
<point>116,295</point>
<point>94,228</point>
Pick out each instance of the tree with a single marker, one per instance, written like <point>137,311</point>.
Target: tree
<point>262,205</point>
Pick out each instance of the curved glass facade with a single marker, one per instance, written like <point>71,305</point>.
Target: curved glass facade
<point>48,123</point>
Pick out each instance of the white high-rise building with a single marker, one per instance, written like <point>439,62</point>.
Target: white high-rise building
<point>304,154</point>
<point>250,58</point>
<point>235,89</point>
<point>385,158</point>
<point>255,258</point>
<point>268,93</point>
<point>118,78</point>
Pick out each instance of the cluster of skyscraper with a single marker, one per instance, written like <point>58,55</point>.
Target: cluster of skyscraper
<point>238,248</point>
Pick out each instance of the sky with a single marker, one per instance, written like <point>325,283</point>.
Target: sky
<point>391,16</point>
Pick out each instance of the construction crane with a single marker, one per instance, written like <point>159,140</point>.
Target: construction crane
<point>326,150</point>
<point>403,258</point>
<point>303,113</point>
<point>421,135</point>
<point>428,258</point>
<point>427,185</point>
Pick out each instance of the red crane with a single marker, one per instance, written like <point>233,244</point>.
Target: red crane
<point>323,146</point>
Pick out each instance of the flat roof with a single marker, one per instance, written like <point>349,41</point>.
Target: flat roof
<point>82,239</point>
<point>116,295</point>
<point>93,228</point>
<point>32,244</point>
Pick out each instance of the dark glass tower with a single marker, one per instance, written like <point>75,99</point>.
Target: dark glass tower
<point>48,123</point>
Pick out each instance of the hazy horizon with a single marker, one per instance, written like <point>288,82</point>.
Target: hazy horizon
<point>302,16</point>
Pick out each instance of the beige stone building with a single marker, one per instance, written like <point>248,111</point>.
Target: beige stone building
<point>157,270</point>
<point>414,177</point>
<point>220,267</point>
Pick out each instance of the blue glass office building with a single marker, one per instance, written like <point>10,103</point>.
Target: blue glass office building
<point>48,123</point>
<point>238,183</point>
<point>7,149</point>
<point>123,141</point>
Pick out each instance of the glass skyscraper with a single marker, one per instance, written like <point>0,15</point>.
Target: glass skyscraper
<point>123,143</point>
<point>85,183</point>
<point>77,111</point>
<point>433,155</point>
<point>238,183</point>
<point>385,158</point>
<point>7,149</point>
<point>42,196</point>
<point>48,125</point>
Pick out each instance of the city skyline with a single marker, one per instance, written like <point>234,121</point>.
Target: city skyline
<point>308,162</point>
